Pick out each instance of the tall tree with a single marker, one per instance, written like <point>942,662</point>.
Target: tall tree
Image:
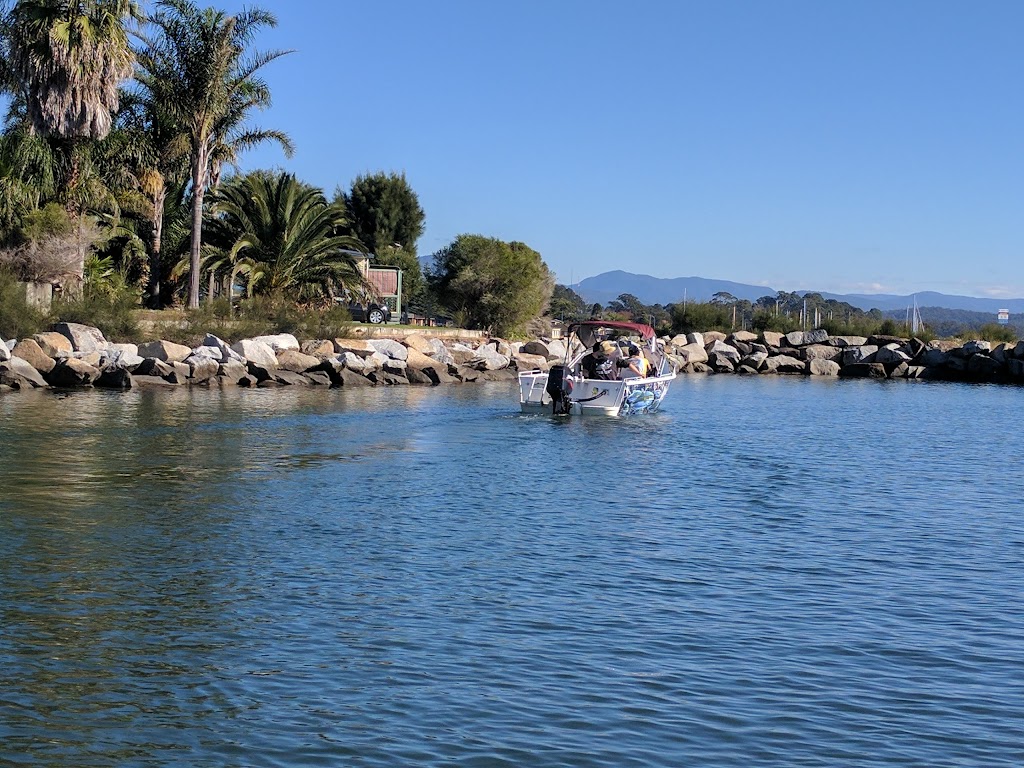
<point>65,62</point>
<point>491,284</point>
<point>385,211</point>
<point>283,236</point>
<point>208,80</point>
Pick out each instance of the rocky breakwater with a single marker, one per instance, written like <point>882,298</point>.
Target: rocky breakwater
<point>73,355</point>
<point>815,353</point>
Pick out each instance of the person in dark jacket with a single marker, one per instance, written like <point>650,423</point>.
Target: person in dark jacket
<point>598,364</point>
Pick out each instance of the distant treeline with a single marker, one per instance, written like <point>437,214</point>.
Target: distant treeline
<point>783,312</point>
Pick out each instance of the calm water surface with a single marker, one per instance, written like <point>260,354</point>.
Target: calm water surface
<point>770,572</point>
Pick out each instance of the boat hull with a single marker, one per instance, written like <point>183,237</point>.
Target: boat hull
<point>596,397</point>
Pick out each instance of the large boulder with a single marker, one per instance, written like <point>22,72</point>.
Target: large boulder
<point>150,366</point>
<point>721,350</point>
<point>83,338</point>
<point>5,353</point>
<point>295,361</point>
<point>710,336</point>
<point>535,348</point>
<point>440,352</point>
<point>556,350</point>
<point>933,358</point>
<point>359,347</point>
<point>318,348</point>
<point>755,360</point>
<point>855,355</point>
<point>419,342</point>
<point>863,371</point>
<point>390,347</point>
<point>819,366</point>
<point>461,354</point>
<point>795,338</point>
<point>54,344</point>
<point>257,352</point>
<point>233,371</point>
<point>745,337</point>
<point>891,354</point>
<point>218,349</point>
<point>527,362</point>
<point>122,355</point>
<point>783,364</point>
<point>72,373</point>
<point>20,374</point>
<point>30,351</point>
<point>354,362</point>
<point>279,341</point>
<point>202,368</point>
<point>983,366</point>
<point>822,352</point>
<point>816,336</point>
<point>771,339</point>
<point>167,351</point>
<point>692,353</point>
<point>114,377</point>
<point>972,348</point>
<point>848,341</point>
<point>487,358</point>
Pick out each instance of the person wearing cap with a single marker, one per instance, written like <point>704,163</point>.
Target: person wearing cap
<point>638,364</point>
<point>598,364</point>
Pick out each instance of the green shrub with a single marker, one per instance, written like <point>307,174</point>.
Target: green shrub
<point>17,318</point>
<point>995,332</point>
<point>112,314</point>
<point>698,317</point>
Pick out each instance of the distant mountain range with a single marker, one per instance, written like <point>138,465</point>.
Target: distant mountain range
<point>608,286</point>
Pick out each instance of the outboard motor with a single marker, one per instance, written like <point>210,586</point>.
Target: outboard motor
<point>559,388</point>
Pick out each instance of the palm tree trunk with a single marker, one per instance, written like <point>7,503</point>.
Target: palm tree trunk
<point>198,192</point>
<point>155,275</point>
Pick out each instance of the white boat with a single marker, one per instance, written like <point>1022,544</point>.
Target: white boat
<point>576,387</point>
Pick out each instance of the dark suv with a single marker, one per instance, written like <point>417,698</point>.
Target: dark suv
<point>366,310</point>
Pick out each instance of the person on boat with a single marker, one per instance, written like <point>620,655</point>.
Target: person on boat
<point>598,363</point>
<point>636,362</point>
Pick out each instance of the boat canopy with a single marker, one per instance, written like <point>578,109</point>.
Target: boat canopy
<point>589,331</point>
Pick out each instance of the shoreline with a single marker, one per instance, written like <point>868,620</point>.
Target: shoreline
<point>72,355</point>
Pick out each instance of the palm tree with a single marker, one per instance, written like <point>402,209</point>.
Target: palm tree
<point>65,61</point>
<point>198,66</point>
<point>283,236</point>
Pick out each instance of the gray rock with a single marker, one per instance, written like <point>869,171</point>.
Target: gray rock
<point>150,366</point>
<point>819,366</point>
<point>855,355</point>
<point>891,354</point>
<point>258,352</point>
<point>359,347</point>
<point>167,351</point>
<point>353,362</point>
<point>395,367</point>
<point>5,353</point>
<point>771,339</point>
<point>746,370</point>
<point>783,364</point>
<point>19,374</point>
<point>83,338</point>
<point>899,371</point>
<point>983,365</point>
<point>232,371</point>
<point>55,345</point>
<point>123,356</point>
<point>976,347</point>
<point>488,359</point>
<point>795,338</point>
<point>202,368</point>
<point>318,378</point>
<point>934,358</point>
<point>1015,367</point>
<point>500,346</point>
<point>390,348</point>
<point>319,348</point>
<point>297,362</point>
<point>916,372</point>
<point>278,341</point>
<point>816,336</point>
<point>722,350</point>
<point>822,352</point>
<point>536,348</point>
<point>754,360</point>
<point>692,353</point>
<point>863,371</point>
<point>720,363</point>
<point>745,337</point>
<point>847,341</point>
<point>526,362</point>
<point>440,352</point>
<point>151,382</point>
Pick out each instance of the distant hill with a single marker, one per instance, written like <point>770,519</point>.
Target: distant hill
<point>608,286</point>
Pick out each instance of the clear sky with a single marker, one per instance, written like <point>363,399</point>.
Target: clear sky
<point>850,146</point>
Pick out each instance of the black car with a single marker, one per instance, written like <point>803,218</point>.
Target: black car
<point>367,310</point>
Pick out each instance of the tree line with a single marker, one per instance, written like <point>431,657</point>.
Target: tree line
<point>783,312</point>
<point>119,165</point>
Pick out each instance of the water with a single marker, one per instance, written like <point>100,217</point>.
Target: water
<point>770,572</point>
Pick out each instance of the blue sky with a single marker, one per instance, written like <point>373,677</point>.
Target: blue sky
<point>845,146</point>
